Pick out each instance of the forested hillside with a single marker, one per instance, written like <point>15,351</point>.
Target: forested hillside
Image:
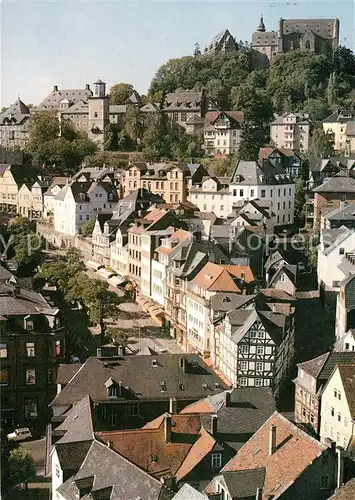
<point>296,81</point>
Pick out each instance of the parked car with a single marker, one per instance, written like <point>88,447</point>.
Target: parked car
<point>19,434</point>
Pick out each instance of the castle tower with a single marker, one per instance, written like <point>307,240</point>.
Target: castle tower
<point>98,113</point>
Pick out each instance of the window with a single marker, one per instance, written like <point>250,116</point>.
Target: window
<point>30,349</point>
<point>222,208</point>
<point>258,382</point>
<point>243,381</point>
<point>332,412</point>
<point>263,193</point>
<point>345,443</point>
<point>341,251</point>
<point>243,365</point>
<point>216,460</point>
<point>252,334</point>
<point>252,192</point>
<point>50,376</point>
<point>112,391</point>
<point>176,117</point>
<point>260,349</point>
<point>30,376</point>
<point>133,409</point>
<point>28,323</point>
<point>244,349</point>
<point>324,482</point>
<point>57,470</point>
<point>3,350</point>
<point>345,422</point>
<point>31,408</point>
<point>4,376</point>
<point>241,193</point>
<point>259,366</point>
<point>347,345</point>
<point>183,117</point>
<point>339,416</point>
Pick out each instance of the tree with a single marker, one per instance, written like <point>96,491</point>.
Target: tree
<point>322,144</point>
<point>117,336</point>
<point>197,50</point>
<point>88,227</point>
<point>28,250</point>
<point>101,304</point>
<point>19,225</point>
<point>300,194</point>
<point>21,466</point>
<point>255,104</point>
<point>120,92</point>
<point>59,273</point>
<point>344,61</point>
<point>250,143</point>
<point>303,172</point>
<point>134,124</point>
<point>58,146</point>
<point>317,109</point>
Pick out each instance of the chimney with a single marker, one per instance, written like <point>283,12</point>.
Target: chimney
<point>227,400</point>
<point>183,364</point>
<point>87,87</point>
<point>172,406</point>
<point>259,493</point>
<point>214,424</point>
<point>55,88</point>
<point>109,444</point>
<point>272,439</point>
<point>167,428</point>
<point>340,467</point>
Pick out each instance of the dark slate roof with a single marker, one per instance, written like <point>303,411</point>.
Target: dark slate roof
<point>67,372</point>
<point>91,378</point>
<point>338,116</point>
<point>72,455</point>
<point>321,27</point>
<point>15,113</point>
<point>322,366</point>
<point>78,423</point>
<point>110,470</point>
<point>264,38</point>
<point>259,173</point>
<point>247,410</point>
<point>183,100</point>
<point>244,483</point>
<point>229,301</point>
<point>346,212</point>
<point>337,185</point>
<point>16,300</point>
<point>53,100</point>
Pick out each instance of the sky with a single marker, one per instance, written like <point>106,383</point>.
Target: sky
<point>71,43</point>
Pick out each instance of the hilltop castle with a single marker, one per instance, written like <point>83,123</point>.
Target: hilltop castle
<point>304,34</point>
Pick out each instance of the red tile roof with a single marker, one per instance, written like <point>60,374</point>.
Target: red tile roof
<point>147,447</point>
<point>295,451</point>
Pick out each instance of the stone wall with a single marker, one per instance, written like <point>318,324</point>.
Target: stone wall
<point>63,241</point>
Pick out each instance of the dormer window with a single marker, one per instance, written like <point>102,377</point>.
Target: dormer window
<point>110,197</point>
<point>112,392</point>
<point>163,386</point>
<point>28,323</point>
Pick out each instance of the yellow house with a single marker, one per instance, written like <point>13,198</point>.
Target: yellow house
<point>335,125</point>
<point>8,188</point>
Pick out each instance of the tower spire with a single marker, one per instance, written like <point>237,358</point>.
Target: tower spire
<point>261,26</point>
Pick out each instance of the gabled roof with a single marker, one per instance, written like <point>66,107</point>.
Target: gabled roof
<point>53,100</point>
<point>293,453</point>
<point>78,424</point>
<point>72,455</point>
<point>16,113</point>
<point>347,375</point>
<point>148,448</point>
<point>239,416</point>
<point>336,185</point>
<point>339,117</point>
<point>322,366</point>
<point>240,484</point>
<point>106,471</point>
<point>188,492</point>
<point>221,278</point>
<point>91,377</point>
<point>346,491</point>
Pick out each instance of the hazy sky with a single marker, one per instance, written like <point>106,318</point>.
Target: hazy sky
<point>71,43</point>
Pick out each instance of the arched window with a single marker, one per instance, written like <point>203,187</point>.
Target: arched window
<point>308,44</point>
<point>95,114</point>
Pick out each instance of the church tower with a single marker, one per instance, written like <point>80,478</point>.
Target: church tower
<point>98,114</point>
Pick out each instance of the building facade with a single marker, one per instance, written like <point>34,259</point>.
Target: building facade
<point>335,127</point>
<point>222,132</point>
<point>291,131</point>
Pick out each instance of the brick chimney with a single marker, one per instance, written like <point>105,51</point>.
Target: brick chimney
<point>172,406</point>
<point>272,440</point>
<point>214,424</point>
<point>167,428</point>
<point>227,400</point>
<point>55,88</point>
